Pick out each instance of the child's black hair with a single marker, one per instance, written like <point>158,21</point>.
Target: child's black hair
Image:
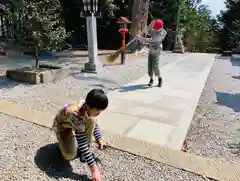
<point>97,99</point>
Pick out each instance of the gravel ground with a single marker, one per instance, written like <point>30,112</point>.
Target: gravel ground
<point>28,152</point>
<point>50,96</point>
<point>215,129</point>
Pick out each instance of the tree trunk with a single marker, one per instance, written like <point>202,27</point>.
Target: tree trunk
<point>2,25</point>
<point>139,21</point>
<point>37,58</point>
<point>139,16</point>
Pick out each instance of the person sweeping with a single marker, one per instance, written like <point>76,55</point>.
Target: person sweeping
<point>158,33</point>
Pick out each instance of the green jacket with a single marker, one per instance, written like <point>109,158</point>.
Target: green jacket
<point>66,119</point>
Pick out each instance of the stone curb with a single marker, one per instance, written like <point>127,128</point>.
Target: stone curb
<point>206,167</point>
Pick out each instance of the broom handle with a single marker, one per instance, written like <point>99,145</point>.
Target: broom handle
<point>131,41</point>
<point>145,30</point>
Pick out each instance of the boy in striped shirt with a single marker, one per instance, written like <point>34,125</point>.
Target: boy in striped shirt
<point>77,123</point>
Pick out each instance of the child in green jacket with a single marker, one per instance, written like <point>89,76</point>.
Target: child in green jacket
<point>76,122</point>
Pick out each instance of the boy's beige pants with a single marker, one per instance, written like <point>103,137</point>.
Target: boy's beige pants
<point>67,144</point>
<point>66,138</point>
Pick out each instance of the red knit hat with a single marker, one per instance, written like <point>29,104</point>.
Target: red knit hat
<point>158,24</point>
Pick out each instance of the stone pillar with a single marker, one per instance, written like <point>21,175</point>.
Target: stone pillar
<point>178,45</point>
<point>90,67</point>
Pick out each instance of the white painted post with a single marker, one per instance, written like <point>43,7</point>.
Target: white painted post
<point>90,67</point>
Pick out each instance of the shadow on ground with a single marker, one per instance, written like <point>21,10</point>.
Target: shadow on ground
<point>6,83</point>
<point>235,61</point>
<point>49,160</point>
<point>129,88</point>
<point>93,77</point>
<point>69,54</point>
<point>236,77</point>
<point>235,148</point>
<point>222,57</point>
<point>229,100</point>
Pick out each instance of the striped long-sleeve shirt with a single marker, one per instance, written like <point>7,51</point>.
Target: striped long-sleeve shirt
<point>83,127</point>
<point>83,144</point>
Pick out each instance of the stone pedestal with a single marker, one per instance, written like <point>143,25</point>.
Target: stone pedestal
<point>178,46</point>
<point>90,67</point>
<point>45,74</point>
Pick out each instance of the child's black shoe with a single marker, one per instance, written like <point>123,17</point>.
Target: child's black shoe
<point>160,82</point>
<point>150,82</point>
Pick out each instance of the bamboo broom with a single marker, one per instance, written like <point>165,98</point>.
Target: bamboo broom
<point>113,56</point>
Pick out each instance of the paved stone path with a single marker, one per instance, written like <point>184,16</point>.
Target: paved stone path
<point>159,115</point>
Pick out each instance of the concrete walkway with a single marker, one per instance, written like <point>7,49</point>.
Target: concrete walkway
<point>159,115</point>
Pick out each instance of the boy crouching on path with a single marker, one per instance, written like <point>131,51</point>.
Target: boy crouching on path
<point>77,122</point>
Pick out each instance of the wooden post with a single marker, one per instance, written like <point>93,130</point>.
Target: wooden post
<point>123,30</point>
<point>123,52</point>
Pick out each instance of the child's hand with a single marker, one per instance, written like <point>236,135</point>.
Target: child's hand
<point>75,112</point>
<point>95,173</point>
<point>101,144</point>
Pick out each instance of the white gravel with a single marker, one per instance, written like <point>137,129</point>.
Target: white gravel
<point>52,95</point>
<point>215,129</point>
<point>28,153</point>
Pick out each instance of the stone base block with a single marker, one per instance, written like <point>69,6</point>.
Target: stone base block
<point>90,68</point>
<point>178,49</point>
<point>45,74</point>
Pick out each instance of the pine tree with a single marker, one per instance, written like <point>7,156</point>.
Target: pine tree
<point>230,19</point>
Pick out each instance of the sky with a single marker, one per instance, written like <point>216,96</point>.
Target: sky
<point>215,5</point>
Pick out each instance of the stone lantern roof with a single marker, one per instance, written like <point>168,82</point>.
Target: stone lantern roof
<point>124,20</point>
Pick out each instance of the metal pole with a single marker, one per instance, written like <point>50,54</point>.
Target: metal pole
<point>90,67</point>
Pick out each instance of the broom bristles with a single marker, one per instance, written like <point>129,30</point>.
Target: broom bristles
<point>112,57</point>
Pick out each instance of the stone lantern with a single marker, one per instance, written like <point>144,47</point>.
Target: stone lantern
<point>123,22</point>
